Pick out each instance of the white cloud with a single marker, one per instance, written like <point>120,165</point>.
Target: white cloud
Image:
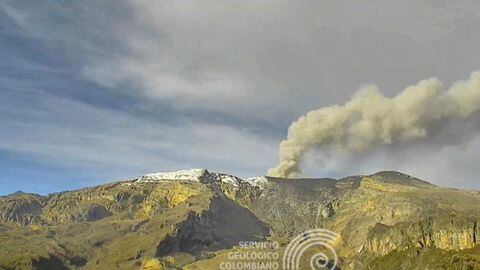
<point>267,60</point>
<point>78,135</point>
<point>250,61</point>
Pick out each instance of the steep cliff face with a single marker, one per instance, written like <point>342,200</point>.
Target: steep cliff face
<point>447,233</point>
<point>222,226</point>
<point>21,208</point>
<point>192,218</point>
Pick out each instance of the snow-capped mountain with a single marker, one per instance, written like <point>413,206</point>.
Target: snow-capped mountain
<point>200,175</point>
<point>161,219</point>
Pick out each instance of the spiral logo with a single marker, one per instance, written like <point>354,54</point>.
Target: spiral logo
<point>327,259</point>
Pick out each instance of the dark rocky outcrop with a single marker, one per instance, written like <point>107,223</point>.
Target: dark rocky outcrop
<point>222,226</point>
<point>21,208</point>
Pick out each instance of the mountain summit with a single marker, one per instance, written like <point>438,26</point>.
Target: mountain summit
<point>193,219</point>
<point>199,175</point>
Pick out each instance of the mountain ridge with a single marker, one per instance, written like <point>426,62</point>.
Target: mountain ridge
<point>194,173</point>
<point>191,219</point>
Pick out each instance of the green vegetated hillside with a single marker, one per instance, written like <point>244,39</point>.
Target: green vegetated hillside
<point>385,221</point>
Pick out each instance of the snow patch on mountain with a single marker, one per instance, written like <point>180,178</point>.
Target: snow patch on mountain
<point>224,178</point>
<point>200,175</point>
<point>258,181</point>
<point>181,175</point>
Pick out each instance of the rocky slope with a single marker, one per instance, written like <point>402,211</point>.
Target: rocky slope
<point>193,219</point>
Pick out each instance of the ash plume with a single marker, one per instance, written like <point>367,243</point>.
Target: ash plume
<point>370,119</point>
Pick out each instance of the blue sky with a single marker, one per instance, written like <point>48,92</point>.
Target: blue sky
<point>94,91</point>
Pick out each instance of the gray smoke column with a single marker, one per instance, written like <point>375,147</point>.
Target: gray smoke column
<point>370,119</point>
